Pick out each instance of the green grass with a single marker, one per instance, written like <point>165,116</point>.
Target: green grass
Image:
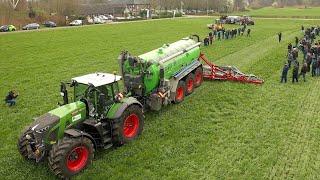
<point>289,12</point>
<point>224,130</point>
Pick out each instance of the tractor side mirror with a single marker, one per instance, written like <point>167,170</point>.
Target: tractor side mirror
<point>64,93</point>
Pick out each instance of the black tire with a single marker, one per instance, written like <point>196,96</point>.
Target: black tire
<point>22,143</point>
<point>121,132</point>
<point>190,84</point>
<point>61,153</point>
<point>198,77</point>
<point>180,92</point>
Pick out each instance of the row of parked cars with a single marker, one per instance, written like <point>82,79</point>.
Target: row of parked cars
<point>95,20</point>
<point>244,20</point>
<point>10,28</point>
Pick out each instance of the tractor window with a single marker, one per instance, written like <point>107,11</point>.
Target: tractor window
<point>106,90</point>
<point>79,91</point>
<point>115,88</point>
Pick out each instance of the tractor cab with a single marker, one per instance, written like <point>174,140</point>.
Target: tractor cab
<point>98,90</point>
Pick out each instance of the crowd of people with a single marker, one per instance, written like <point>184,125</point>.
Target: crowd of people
<point>310,49</point>
<point>224,34</point>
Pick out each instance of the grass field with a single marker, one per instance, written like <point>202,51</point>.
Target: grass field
<point>289,12</point>
<point>224,130</point>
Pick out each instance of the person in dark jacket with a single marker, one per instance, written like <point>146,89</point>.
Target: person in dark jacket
<point>11,98</point>
<point>248,32</point>
<point>304,70</point>
<point>206,41</point>
<point>289,47</point>
<point>280,36</point>
<point>210,38</point>
<point>297,41</point>
<point>313,67</point>
<point>284,73</point>
<point>295,73</point>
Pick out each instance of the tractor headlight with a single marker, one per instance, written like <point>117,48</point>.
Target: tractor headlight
<point>42,130</point>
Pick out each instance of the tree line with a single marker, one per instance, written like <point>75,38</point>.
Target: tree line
<point>24,9</point>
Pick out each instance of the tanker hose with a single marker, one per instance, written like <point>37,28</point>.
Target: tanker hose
<point>195,35</point>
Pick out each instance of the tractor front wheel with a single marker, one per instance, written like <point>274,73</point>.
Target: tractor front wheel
<point>129,126</point>
<point>70,156</point>
<point>23,143</point>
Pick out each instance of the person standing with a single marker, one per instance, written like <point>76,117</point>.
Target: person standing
<point>290,59</point>
<point>210,38</point>
<point>206,41</point>
<point>284,73</point>
<point>313,67</point>
<point>248,32</point>
<point>289,47</point>
<point>280,36</point>
<point>302,28</point>
<point>295,73</point>
<point>303,72</point>
<point>296,41</point>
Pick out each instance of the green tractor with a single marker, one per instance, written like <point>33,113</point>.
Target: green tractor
<point>99,116</point>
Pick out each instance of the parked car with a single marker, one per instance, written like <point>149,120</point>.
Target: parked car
<point>7,28</point>
<point>50,24</point>
<point>232,19</point>
<point>31,26</point>
<point>246,20</point>
<point>98,20</point>
<point>76,23</point>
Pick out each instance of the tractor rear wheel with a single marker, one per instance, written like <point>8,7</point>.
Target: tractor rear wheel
<point>198,77</point>
<point>180,92</point>
<point>23,142</point>
<point>129,126</point>
<point>70,156</point>
<point>190,84</point>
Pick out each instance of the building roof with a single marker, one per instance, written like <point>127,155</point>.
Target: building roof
<point>97,79</point>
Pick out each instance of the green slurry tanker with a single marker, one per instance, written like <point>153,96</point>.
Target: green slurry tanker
<point>96,115</point>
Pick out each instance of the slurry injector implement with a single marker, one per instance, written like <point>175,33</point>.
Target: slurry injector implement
<point>100,116</point>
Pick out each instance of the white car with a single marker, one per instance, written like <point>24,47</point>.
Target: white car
<point>76,23</point>
<point>233,19</point>
<point>98,20</point>
<point>103,17</point>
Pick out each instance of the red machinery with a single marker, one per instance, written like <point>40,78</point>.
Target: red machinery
<point>228,73</point>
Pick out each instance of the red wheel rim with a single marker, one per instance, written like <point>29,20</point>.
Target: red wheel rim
<point>77,158</point>
<point>198,78</point>
<point>190,85</point>
<point>179,93</point>
<point>131,126</point>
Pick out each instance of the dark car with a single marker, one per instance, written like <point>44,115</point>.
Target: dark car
<point>7,28</point>
<point>50,24</point>
<point>31,26</point>
<point>246,20</point>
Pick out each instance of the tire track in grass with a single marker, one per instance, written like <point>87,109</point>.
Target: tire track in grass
<point>298,148</point>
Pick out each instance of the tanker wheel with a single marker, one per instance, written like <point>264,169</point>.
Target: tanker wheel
<point>70,156</point>
<point>180,92</point>
<point>198,77</point>
<point>190,80</point>
<point>23,142</point>
<point>129,126</point>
